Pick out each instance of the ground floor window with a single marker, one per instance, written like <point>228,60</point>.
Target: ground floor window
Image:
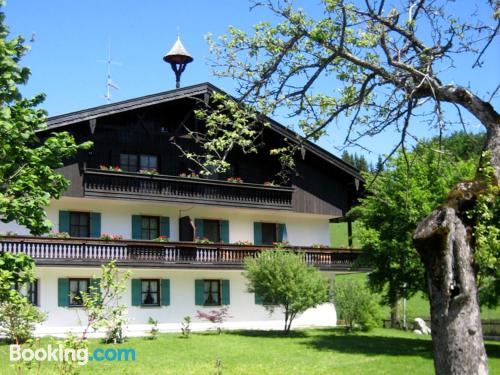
<point>211,293</point>
<point>76,289</point>
<point>30,291</point>
<point>150,292</point>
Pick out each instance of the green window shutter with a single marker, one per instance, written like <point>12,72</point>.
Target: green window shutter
<point>95,224</point>
<point>338,235</point>
<point>64,221</point>
<point>282,235</point>
<point>165,226</point>
<point>136,292</point>
<point>258,299</point>
<point>198,224</point>
<point>257,233</point>
<point>62,292</point>
<point>198,292</point>
<point>224,231</point>
<point>136,227</point>
<point>225,292</point>
<point>165,292</point>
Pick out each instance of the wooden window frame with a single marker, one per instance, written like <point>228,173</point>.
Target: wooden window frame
<point>126,166</point>
<point>157,219</point>
<point>158,293</point>
<point>208,293</point>
<point>87,214</point>
<point>79,291</point>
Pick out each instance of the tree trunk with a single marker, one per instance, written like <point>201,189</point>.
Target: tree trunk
<point>395,313</point>
<point>441,240</point>
<point>444,244</point>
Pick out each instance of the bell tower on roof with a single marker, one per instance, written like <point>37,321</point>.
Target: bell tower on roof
<point>178,58</point>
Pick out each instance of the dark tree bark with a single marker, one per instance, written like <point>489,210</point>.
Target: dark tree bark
<point>395,314</point>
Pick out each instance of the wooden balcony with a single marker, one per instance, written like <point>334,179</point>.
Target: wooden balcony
<point>131,253</point>
<point>125,185</point>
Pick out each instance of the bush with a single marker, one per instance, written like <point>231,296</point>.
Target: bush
<point>282,279</point>
<point>356,306</point>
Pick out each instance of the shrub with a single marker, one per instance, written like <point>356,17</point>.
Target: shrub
<point>217,317</point>
<point>283,279</point>
<point>356,305</point>
<point>153,333</point>
<point>186,326</point>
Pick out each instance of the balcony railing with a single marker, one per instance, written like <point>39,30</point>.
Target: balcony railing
<point>181,189</point>
<point>57,251</point>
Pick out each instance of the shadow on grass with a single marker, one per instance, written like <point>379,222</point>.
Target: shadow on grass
<point>371,345</point>
<point>268,334</point>
<point>493,350</point>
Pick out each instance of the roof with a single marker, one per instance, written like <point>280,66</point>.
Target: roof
<point>185,92</point>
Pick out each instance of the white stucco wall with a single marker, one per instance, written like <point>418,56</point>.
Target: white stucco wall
<point>116,218</point>
<point>245,314</point>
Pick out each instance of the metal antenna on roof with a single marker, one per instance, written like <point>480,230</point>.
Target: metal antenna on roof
<point>109,83</point>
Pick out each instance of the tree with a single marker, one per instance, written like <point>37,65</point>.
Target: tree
<point>17,316</point>
<point>356,305</point>
<point>282,279</point>
<point>27,178</point>
<point>102,303</point>
<point>384,68</point>
<point>393,205</point>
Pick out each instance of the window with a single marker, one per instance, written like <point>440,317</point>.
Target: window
<point>76,288</point>
<point>135,162</point>
<point>79,224</point>
<point>150,227</point>
<point>150,292</point>
<point>211,296</point>
<point>211,230</point>
<point>149,162</point>
<point>269,233</point>
<point>129,162</point>
<point>30,291</point>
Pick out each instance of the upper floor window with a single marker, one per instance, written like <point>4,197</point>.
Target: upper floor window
<point>269,233</point>
<point>76,288</point>
<point>136,162</point>
<point>129,162</point>
<point>150,227</point>
<point>211,230</point>
<point>79,224</point>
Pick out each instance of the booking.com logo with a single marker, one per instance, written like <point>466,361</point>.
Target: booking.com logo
<point>80,356</point>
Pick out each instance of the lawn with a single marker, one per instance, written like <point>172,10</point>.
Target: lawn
<point>328,351</point>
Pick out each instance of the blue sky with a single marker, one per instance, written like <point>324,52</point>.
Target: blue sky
<point>71,36</point>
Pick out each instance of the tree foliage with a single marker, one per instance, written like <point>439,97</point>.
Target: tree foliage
<point>411,185</point>
<point>282,279</point>
<point>27,178</point>
<point>17,315</point>
<point>356,305</point>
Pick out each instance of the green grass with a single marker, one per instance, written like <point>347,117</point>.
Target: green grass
<point>418,305</point>
<point>328,351</point>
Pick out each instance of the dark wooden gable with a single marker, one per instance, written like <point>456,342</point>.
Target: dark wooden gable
<point>323,184</point>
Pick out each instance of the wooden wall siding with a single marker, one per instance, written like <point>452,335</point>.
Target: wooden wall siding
<point>88,252</point>
<point>321,188</point>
